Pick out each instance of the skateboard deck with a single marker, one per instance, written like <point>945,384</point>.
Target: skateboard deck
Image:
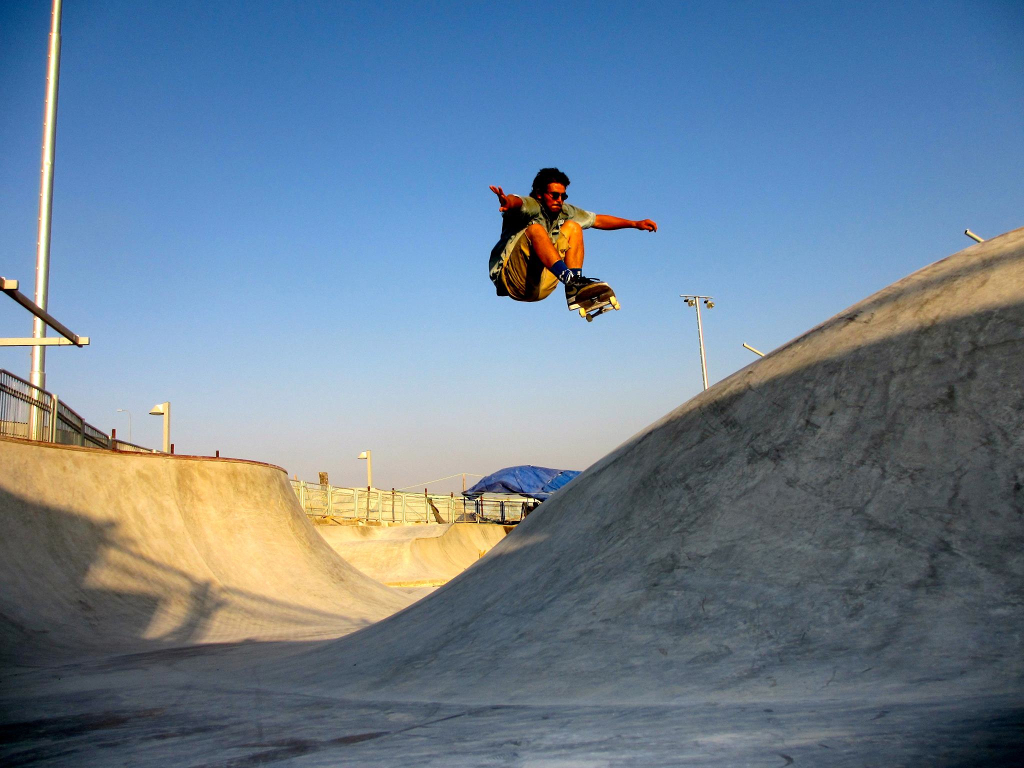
<point>594,300</point>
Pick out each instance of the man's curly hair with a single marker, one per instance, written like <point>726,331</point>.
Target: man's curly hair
<point>547,176</point>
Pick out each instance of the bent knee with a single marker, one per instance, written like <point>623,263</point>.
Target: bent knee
<point>571,233</point>
<point>535,230</point>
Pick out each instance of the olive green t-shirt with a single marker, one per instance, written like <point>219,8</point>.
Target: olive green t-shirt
<point>514,221</point>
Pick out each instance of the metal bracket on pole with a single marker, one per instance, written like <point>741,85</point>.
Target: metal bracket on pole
<point>10,287</point>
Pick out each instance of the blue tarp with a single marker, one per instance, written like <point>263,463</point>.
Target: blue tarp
<point>525,480</point>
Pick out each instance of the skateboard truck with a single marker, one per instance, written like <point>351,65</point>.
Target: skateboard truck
<point>613,303</point>
<point>595,300</point>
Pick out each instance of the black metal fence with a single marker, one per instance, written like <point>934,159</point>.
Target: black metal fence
<point>31,413</point>
<point>24,407</point>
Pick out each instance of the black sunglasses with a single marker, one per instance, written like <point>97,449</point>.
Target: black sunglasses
<point>558,195</point>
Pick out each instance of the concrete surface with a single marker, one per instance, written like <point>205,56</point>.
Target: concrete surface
<point>412,555</point>
<point>841,518</point>
<point>820,564</point>
<point>130,552</point>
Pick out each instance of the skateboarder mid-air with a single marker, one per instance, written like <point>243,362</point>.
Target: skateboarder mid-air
<point>541,241</point>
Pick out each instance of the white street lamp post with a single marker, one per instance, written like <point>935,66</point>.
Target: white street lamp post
<point>38,375</point>
<point>164,409</point>
<point>694,301</point>
<point>125,410</point>
<point>368,455</point>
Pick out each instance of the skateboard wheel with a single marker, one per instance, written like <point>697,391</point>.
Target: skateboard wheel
<point>615,303</point>
<point>583,312</point>
<point>590,318</point>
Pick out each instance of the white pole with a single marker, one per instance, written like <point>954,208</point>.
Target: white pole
<point>700,336</point>
<point>164,409</point>
<point>46,195</point>
<point>125,410</point>
<point>38,355</point>
<point>167,427</point>
<point>694,301</point>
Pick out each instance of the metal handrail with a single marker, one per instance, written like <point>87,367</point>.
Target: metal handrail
<point>56,421</point>
<point>382,506</point>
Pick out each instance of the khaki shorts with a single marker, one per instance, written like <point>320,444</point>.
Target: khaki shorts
<point>524,276</point>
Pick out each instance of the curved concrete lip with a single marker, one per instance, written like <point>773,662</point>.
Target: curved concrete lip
<point>109,551</point>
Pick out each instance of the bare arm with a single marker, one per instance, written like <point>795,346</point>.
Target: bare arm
<point>614,222</point>
<point>506,202</point>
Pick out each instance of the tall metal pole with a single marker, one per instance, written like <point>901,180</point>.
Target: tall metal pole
<point>700,336</point>
<point>38,375</point>
<point>694,301</point>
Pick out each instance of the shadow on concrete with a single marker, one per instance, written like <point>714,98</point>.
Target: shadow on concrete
<point>74,586</point>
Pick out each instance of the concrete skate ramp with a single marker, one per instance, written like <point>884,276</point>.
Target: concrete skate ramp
<point>412,555</point>
<point>842,518</point>
<point>112,552</point>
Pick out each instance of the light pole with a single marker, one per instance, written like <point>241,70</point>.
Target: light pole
<point>125,410</point>
<point>694,301</point>
<point>368,455</point>
<point>164,409</point>
<point>38,375</point>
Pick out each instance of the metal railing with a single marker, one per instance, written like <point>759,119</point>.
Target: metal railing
<point>382,506</point>
<point>55,422</point>
<point>18,400</point>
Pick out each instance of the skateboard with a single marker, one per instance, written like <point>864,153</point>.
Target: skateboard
<point>594,300</point>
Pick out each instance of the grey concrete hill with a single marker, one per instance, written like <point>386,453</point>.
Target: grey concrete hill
<point>817,562</point>
<point>842,518</point>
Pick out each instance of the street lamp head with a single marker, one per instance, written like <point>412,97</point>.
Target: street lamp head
<point>159,409</point>
<point>363,455</point>
<point>709,303</point>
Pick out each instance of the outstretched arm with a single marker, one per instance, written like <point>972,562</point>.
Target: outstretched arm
<point>506,202</point>
<point>614,222</point>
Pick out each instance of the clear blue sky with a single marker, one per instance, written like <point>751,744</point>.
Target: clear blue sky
<point>276,215</point>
